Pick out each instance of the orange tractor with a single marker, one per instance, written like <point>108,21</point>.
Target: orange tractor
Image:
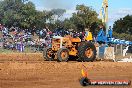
<point>63,47</point>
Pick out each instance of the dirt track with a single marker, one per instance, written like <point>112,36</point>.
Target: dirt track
<point>42,74</point>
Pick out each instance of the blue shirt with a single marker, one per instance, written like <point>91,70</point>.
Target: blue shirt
<point>101,36</point>
<point>110,33</point>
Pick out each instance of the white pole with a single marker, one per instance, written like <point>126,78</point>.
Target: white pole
<point>121,49</point>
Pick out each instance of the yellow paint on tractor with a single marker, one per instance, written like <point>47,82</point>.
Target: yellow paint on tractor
<point>67,42</point>
<point>75,39</point>
<point>73,52</point>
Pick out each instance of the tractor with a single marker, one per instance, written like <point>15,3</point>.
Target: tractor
<point>63,47</point>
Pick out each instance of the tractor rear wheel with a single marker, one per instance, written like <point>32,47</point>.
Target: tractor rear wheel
<point>87,52</point>
<point>63,54</point>
<point>48,54</point>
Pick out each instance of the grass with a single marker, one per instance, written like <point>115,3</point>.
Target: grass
<point>27,50</point>
<point>5,51</point>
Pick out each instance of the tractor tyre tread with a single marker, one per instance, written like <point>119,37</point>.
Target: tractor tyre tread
<point>81,51</point>
<point>59,56</point>
<point>45,54</point>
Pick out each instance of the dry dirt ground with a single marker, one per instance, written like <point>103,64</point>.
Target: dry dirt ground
<point>31,71</point>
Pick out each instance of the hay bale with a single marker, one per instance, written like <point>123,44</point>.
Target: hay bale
<point>109,53</point>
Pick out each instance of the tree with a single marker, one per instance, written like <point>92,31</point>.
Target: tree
<point>123,36</point>
<point>58,12</point>
<point>15,12</point>
<point>22,13</point>
<point>123,25</point>
<point>28,14</point>
<point>68,24</point>
<point>123,28</point>
<point>84,17</point>
<point>8,9</point>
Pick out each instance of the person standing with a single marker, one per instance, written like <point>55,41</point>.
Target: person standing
<point>88,35</point>
<point>110,31</point>
<point>1,27</point>
<point>5,31</point>
<point>33,30</point>
<point>101,38</point>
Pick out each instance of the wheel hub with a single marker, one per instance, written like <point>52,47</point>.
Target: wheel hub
<point>89,52</point>
<point>64,55</point>
<point>49,53</point>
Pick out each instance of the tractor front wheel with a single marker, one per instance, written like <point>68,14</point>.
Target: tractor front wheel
<point>63,54</point>
<point>48,54</point>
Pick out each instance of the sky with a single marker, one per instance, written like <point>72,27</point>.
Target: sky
<point>117,8</point>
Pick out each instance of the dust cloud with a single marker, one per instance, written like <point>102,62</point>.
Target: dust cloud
<point>54,4</point>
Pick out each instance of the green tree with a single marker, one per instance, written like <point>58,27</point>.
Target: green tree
<point>84,17</point>
<point>68,24</point>
<point>21,14</point>
<point>123,25</point>
<point>12,12</point>
<point>123,36</point>
<point>9,11</point>
<point>28,14</point>
<point>58,12</point>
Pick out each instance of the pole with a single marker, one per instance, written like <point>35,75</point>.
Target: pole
<point>121,49</point>
<point>104,14</point>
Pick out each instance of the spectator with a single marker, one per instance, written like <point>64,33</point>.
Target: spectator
<point>88,35</point>
<point>33,30</point>
<point>81,36</point>
<point>1,27</point>
<point>101,38</point>
<point>43,33</point>
<point>110,32</point>
<point>5,31</point>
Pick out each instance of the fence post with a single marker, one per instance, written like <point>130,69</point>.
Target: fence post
<point>116,49</point>
<point>121,49</point>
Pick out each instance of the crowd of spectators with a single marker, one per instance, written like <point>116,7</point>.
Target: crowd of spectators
<point>15,38</point>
